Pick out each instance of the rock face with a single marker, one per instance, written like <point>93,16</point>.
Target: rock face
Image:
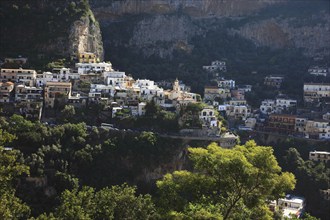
<point>47,30</point>
<point>169,33</point>
<point>195,8</point>
<point>282,33</point>
<point>85,35</point>
<point>161,26</point>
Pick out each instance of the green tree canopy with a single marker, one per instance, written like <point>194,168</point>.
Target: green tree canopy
<point>11,168</point>
<point>234,182</point>
<point>117,202</point>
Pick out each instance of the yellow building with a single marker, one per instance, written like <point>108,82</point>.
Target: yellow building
<point>87,57</point>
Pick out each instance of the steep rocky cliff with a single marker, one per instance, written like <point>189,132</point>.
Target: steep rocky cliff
<point>45,30</point>
<point>161,26</point>
<point>85,35</point>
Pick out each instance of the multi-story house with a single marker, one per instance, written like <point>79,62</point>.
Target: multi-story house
<point>268,106</point>
<point>318,71</point>
<point>226,84</point>
<point>59,91</point>
<point>300,125</point>
<point>84,68</point>
<point>236,102</point>
<point>314,92</point>
<point>292,205</point>
<point>25,93</point>
<point>283,124</point>
<point>285,104</point>
<point>99,92</point>
<point>208,117</point>
<point>213,92</point>
<point>326,116</point>
<point>245,88</point>
<point>319,156</point>
<point>86,57</point>
<point>148,89</point>
<point>26,76</point>
<point>57,75</point>
<point>273,81</point>
<point>317,129</point>
<point>91,77</point>
<point>216,65</point>
<point>238,94</point>
<point>6,89</point>
<point>114,78</point>
<point>240,112</point>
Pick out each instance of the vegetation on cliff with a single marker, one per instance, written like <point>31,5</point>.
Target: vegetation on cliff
<point>62,160</point>
<point>40,30</point>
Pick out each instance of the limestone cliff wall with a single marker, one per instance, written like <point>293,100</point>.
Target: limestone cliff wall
<point>85,35</point>
<point>161,26</point>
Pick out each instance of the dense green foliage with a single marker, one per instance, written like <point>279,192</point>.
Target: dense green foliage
<point>117,202</point>
<point>311,175</point>
<point>223,183</point>
<point>29,27</point>
<point>11,168</point>
<point>236,183</point>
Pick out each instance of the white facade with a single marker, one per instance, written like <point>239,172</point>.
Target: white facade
<point>292,205</point>
<point>114,78</point>
<point>84,68</point>
<point>250,123</point>
<point>148,89</point>
<point>27,93</point>
<point>319,156</point>
<point>268,106</point>
<point>300,124</point>
<point>216,65</point>
<point>315,91</point>
<point>318,71</point>
<point>27,78</point>
<point>142,108</point>
<point>283,104</point>
<point>226,84</point>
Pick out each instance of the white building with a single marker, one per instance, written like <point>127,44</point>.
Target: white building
<point>57,75</point>
<point>319,156</point>
<point>313,92</point>
<point>318,71</point>
<point>250,123</point>
<point>84,68</point>
<point>226,84</point>
<point>208,116</point>
<point>300,124</point>
<point>241,112</point>
<point>268,106</point>
<point>326,116</point>
<point>149,90</point>
<point>285,104</point>
<point>319,129</point>
<point>26,76</point>
<point>114,78</point>
<point>25,93</point>
<point>216,65</point>
<point>142,108</point>
<point>292,205</point>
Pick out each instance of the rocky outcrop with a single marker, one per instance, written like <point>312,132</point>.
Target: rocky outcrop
<point>283,33</point>
<point>47,30</point>
<point>85,36</point>
<point>196,8</point>
<point>170,32</point>
<point>163,26</point>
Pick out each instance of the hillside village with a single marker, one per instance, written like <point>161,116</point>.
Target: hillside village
<point>222,112</point>
<point>93,82</point>
<point>33,95</point>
